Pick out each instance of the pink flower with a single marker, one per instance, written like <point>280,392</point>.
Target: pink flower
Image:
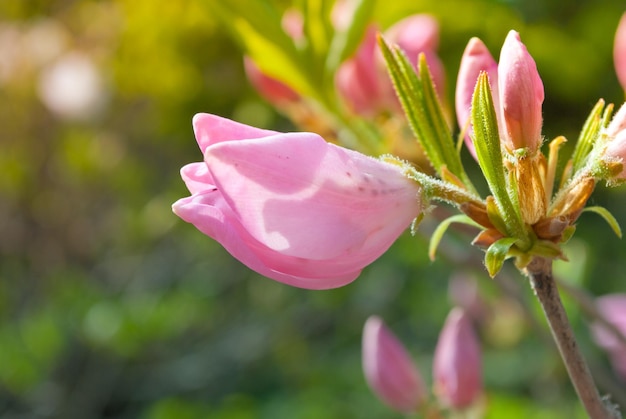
<point>457,364</point>
<point>521,96</point>
<point>389,370</point>
<point>619,51</point>
<point>476,59</point>
<point>292,206</point>
<point>416,34</point>
<point>613,309</point>
<point>362,80</point>
<point>358,80</point>
<point>271,89</point>
<point>616,148</point>
<point>517,92</point>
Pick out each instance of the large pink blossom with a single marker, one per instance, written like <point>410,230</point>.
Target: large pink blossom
<point>389,370</point>
<point>292,206</point>
<point>457,362</point>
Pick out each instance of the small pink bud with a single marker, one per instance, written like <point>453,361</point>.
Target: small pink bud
<point>613,309</point>
<point>619,51</point>
<point>272,90</point>
<point>362,80</point>
<point>521,96</point>
<point>616,148</point>
<point>389,370</point>
<point>476,59</point>
<point>416,34</point>
<point>294,207</point>
<point>457,362</point>
<point>293,24</point>
<point>358,80</point>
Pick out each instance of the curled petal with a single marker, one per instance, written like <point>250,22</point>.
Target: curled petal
<point>389,370</point>
<point>212,129</point>
<point>521,96</point>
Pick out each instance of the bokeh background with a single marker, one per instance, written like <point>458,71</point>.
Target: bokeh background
<point>111,307</point>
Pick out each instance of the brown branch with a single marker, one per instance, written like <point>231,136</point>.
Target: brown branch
<point>542,282</point>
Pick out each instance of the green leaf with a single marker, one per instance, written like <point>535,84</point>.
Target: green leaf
<point>608,217</point>
<point>488,150</point>
<point>587,136</point>
<point>423,111</point>
<point>497,254</point>
<point>257,27</point>
<point>318,32</point>
<point>345,43</point>
<point>437,235</point>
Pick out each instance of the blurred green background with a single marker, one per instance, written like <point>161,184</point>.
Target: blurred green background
<point>111,307</point>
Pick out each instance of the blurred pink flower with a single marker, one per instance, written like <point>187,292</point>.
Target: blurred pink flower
<point>358,80</point>
<point>613,308</point>
<point>457,362</point>
<point>389,370</point>
<point>362,80</point>
<point>521,96</point>
<point>292,206</point>
<point>619,51</point>
<point>476,59</point>
<point>271,89</point>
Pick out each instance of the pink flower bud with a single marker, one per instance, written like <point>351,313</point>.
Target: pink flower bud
<point>358,79</point>
<point>476,59</point>
<point>389,370</point>
<point>613,309</point>
<point>619,51</point>
<point>271,89</point>
<point>292,206</point>
<point>616,148</point>
<point>416,34</point>
<point>457,362</point>
<point>362,80</point>
<point>521,96</point>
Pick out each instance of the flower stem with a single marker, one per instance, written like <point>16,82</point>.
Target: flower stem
<point>543,284</point>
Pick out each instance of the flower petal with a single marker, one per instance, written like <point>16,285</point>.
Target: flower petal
<point>304,197</point>
<point>212,216</point>
<point>212,129</point>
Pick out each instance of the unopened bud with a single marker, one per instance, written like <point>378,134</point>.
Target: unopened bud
<point>457,363</point>
<point>389,370</point>
<point>476,58</point>
<point>271,89</point>
<point>521,96</point>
